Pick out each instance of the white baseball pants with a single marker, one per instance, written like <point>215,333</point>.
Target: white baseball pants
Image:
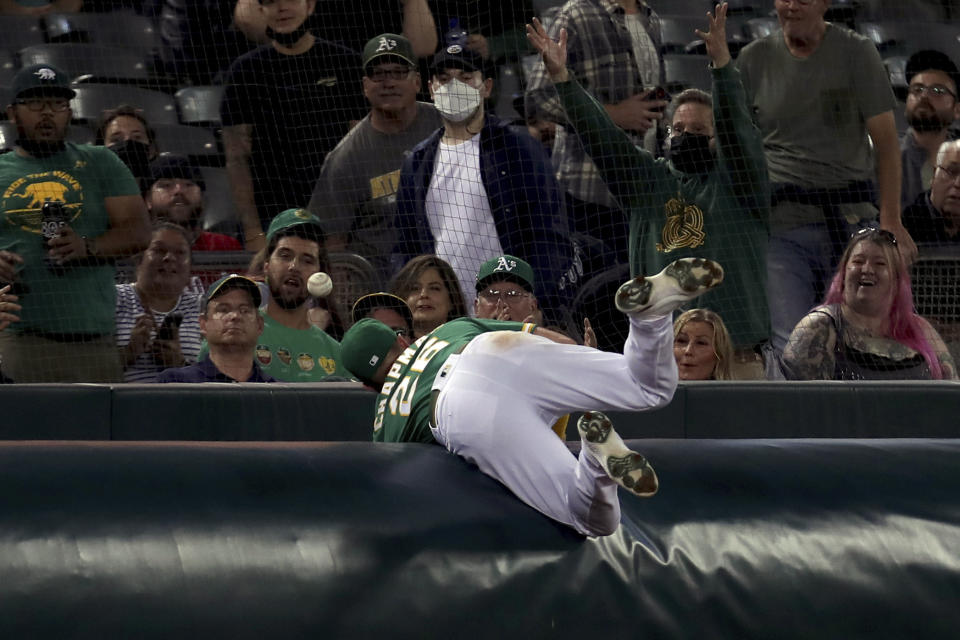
<point>506,390</point>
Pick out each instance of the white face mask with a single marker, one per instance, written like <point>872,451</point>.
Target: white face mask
<point>456,101</point>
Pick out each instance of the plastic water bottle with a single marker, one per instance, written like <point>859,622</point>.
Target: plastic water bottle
<point>456,35</point>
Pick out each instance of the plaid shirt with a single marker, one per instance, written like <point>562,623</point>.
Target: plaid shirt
<point>600,56</point>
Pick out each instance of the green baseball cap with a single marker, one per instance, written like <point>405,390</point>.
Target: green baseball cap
<point>389,44</point>
<point>41,79</point>
<point>295,217</point>
<point>506,268</point>
<point>364,346</point>
<point>226,283</point>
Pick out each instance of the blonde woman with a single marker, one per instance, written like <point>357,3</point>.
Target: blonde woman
<point>701,346</point>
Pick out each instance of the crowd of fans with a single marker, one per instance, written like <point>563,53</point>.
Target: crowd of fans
<point>380,138</point>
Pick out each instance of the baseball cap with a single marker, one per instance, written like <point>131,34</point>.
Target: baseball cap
<point>171,166</point>
<point>389,44</point>
<point>380,300</point>
<point>931,59</point>
<point>293,218</point>
<point>458,57</point>
<point>41,79</point>
<point>226,283</point>
<point>364,346</point>
<point>506,268</point>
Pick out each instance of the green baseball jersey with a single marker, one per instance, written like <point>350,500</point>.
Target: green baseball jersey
<point>295,355</point>
<point>78,298</point>
<point>403,407</point>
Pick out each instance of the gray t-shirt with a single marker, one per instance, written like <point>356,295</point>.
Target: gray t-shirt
<point>813,111</point>
<point>356,193</point>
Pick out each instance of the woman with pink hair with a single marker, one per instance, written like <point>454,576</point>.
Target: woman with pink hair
<point>866,328</point>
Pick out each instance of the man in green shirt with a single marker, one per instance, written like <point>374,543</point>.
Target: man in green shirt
<point>291,348</point>
<point>65,209</point>
<point>489,391</point>
<point>710,199</point>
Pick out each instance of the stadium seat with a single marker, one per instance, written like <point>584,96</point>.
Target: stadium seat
<point>692,8</point>
<point>8,134</point>
<point>89,62</point>
<point>678,34</point>
<point>904,38</point>
<point>20,31</point>
<point>197,143</point>
<point>8,68</point>
<point>354,277</point>
<point>685,71</point>
<point>901,10</point>
<point>219,214</point>
<point>759,27</point>
<point>92,99</point>
<point>80,134</point>
<point>6,95</point>
<point>116,29</point>
<point>199,105</point>
<point>593,302</point>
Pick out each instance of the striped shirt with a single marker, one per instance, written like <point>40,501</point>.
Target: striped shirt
<point>600,54</point>
<point>129,308</point>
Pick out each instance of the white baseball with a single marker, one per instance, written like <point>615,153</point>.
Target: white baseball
<point>320,285</point>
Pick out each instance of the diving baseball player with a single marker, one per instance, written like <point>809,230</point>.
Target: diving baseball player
<point>488,390</point>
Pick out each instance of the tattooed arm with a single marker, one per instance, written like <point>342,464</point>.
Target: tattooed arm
<point>940,349</point>
<point>809,352</point>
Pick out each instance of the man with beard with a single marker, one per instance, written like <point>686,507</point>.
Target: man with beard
<point>66,211</point>
<point>291,348</point>
<point>176,194</point>
<point>285,105</point>
<point>710,197</point>
<point>932,107</point>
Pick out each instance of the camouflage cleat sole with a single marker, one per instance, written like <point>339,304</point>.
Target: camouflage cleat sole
<point>627,468</point>
<point>681,281</point>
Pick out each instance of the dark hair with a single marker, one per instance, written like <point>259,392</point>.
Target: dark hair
<point>305,231</point>
<point>407,278</point>
<point>697,96</point>
<point>167,226</point>
<point>109,115</point>
<point>931,60</point>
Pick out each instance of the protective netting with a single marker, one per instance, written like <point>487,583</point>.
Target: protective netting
<point>259,123</point>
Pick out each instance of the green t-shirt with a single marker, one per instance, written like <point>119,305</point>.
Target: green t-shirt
<point>81,298</point>
<point>295,355</point>
<point>403,406</point>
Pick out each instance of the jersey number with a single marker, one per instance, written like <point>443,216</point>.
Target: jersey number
<point>402,396</point>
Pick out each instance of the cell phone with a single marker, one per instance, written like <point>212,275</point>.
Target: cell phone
<point>170,324</point>
<point>660,93</point>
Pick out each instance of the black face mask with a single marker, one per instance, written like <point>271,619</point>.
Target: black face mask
<point>41,149</point>
<point>691,153</point>
<point>288,39</point>
<point>136,155</point>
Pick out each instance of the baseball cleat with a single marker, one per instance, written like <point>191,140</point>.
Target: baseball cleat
<point>658,295</point>
<point>627,468</point>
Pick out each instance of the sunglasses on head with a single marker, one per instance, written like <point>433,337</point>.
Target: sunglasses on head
<point>881,233</point>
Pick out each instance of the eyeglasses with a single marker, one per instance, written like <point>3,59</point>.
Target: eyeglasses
<point>936,90</point>
<point>953,171</point>
<point>509,297</point>
<point>379,74</point>
<point>38,104</point>
<point>882,233</point>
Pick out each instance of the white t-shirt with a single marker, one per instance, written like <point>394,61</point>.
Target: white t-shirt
<point>459,212</point>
